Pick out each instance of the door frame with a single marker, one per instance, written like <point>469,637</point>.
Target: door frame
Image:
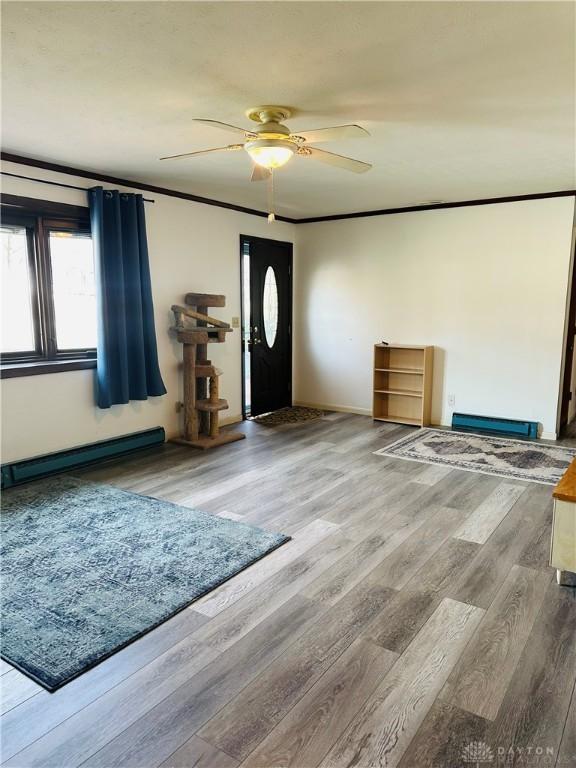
<point>568,350</point>
<point>290,253</point>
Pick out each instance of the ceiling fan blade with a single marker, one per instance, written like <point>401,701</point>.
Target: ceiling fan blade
<point>347,163</point>
<point>259,173</point>
<point>229,148</point>
<point>333,134</point>
<point>224,126</point>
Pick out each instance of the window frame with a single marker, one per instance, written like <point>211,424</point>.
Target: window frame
<point>39,218</point>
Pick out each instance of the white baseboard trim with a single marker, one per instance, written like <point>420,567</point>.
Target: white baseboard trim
<point>227,420</point>
<point>338,408</point>
<point>367,412</point>
<point>548,436</point>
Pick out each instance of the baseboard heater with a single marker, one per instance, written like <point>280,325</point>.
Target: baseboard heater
<point>494,425</point>
<point>62,461</point>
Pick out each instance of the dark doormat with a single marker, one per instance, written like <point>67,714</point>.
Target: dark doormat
<point>290,415</point>
<point>88,569</point>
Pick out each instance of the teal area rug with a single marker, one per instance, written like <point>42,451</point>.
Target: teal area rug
<point>88,568</point>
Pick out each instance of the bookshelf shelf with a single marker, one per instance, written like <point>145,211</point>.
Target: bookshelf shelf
<point>415,371</point>
<point>406,392</point>
<point>399,420</point>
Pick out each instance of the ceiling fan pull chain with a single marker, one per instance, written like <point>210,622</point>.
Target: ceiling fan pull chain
<point>271,216</point>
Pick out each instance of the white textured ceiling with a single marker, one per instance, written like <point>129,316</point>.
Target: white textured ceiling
<point>463,100</point>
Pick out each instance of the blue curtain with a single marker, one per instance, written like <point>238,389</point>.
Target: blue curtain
<point>127,364</point>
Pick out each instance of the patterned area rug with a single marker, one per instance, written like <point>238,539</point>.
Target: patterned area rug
<point>290,415</point>
<point>518,459</point>
<point>87,569</point>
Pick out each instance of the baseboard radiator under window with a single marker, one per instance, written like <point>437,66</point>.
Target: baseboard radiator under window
<point>62,461</point>
<point>494,425</point>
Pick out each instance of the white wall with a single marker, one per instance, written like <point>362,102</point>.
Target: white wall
<point>193,247</point>
<point>485,285</point>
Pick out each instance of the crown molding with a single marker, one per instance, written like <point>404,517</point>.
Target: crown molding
<point>438,206</point>
<point>96,176</point>
<point>9,157</point>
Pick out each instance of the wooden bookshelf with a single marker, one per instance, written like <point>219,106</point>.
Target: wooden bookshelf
<point>402,390</point>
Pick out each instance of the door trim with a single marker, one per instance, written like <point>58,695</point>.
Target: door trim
<point>290,248</point>
<point>564,397</point>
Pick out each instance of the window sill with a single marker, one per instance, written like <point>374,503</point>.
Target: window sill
<point>13,370</point>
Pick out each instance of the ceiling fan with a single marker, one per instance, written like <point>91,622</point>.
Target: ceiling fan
<point>271,145</point>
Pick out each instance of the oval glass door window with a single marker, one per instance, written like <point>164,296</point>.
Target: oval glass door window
<point>270,307</point>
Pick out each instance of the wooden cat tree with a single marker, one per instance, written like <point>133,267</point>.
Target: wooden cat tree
<point>195,329</point>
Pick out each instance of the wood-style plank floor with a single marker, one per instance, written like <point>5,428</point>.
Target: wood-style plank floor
<point>412,621</point>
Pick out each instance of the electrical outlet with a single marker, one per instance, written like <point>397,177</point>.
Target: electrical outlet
<point>452,400</point>
<point>235,322</point>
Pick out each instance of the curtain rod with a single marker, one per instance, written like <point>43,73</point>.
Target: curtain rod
<point>55,183</point>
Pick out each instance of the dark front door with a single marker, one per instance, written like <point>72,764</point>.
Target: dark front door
<point>269,337</point>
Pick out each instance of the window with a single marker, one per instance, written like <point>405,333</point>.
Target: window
<point>48,292</point>
<point>17,317</point>
<point>270,307</point>
<point>72,265</point>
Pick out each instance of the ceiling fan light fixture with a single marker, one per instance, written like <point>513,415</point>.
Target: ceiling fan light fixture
<point>272,144</point>
<point>270,153</point>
